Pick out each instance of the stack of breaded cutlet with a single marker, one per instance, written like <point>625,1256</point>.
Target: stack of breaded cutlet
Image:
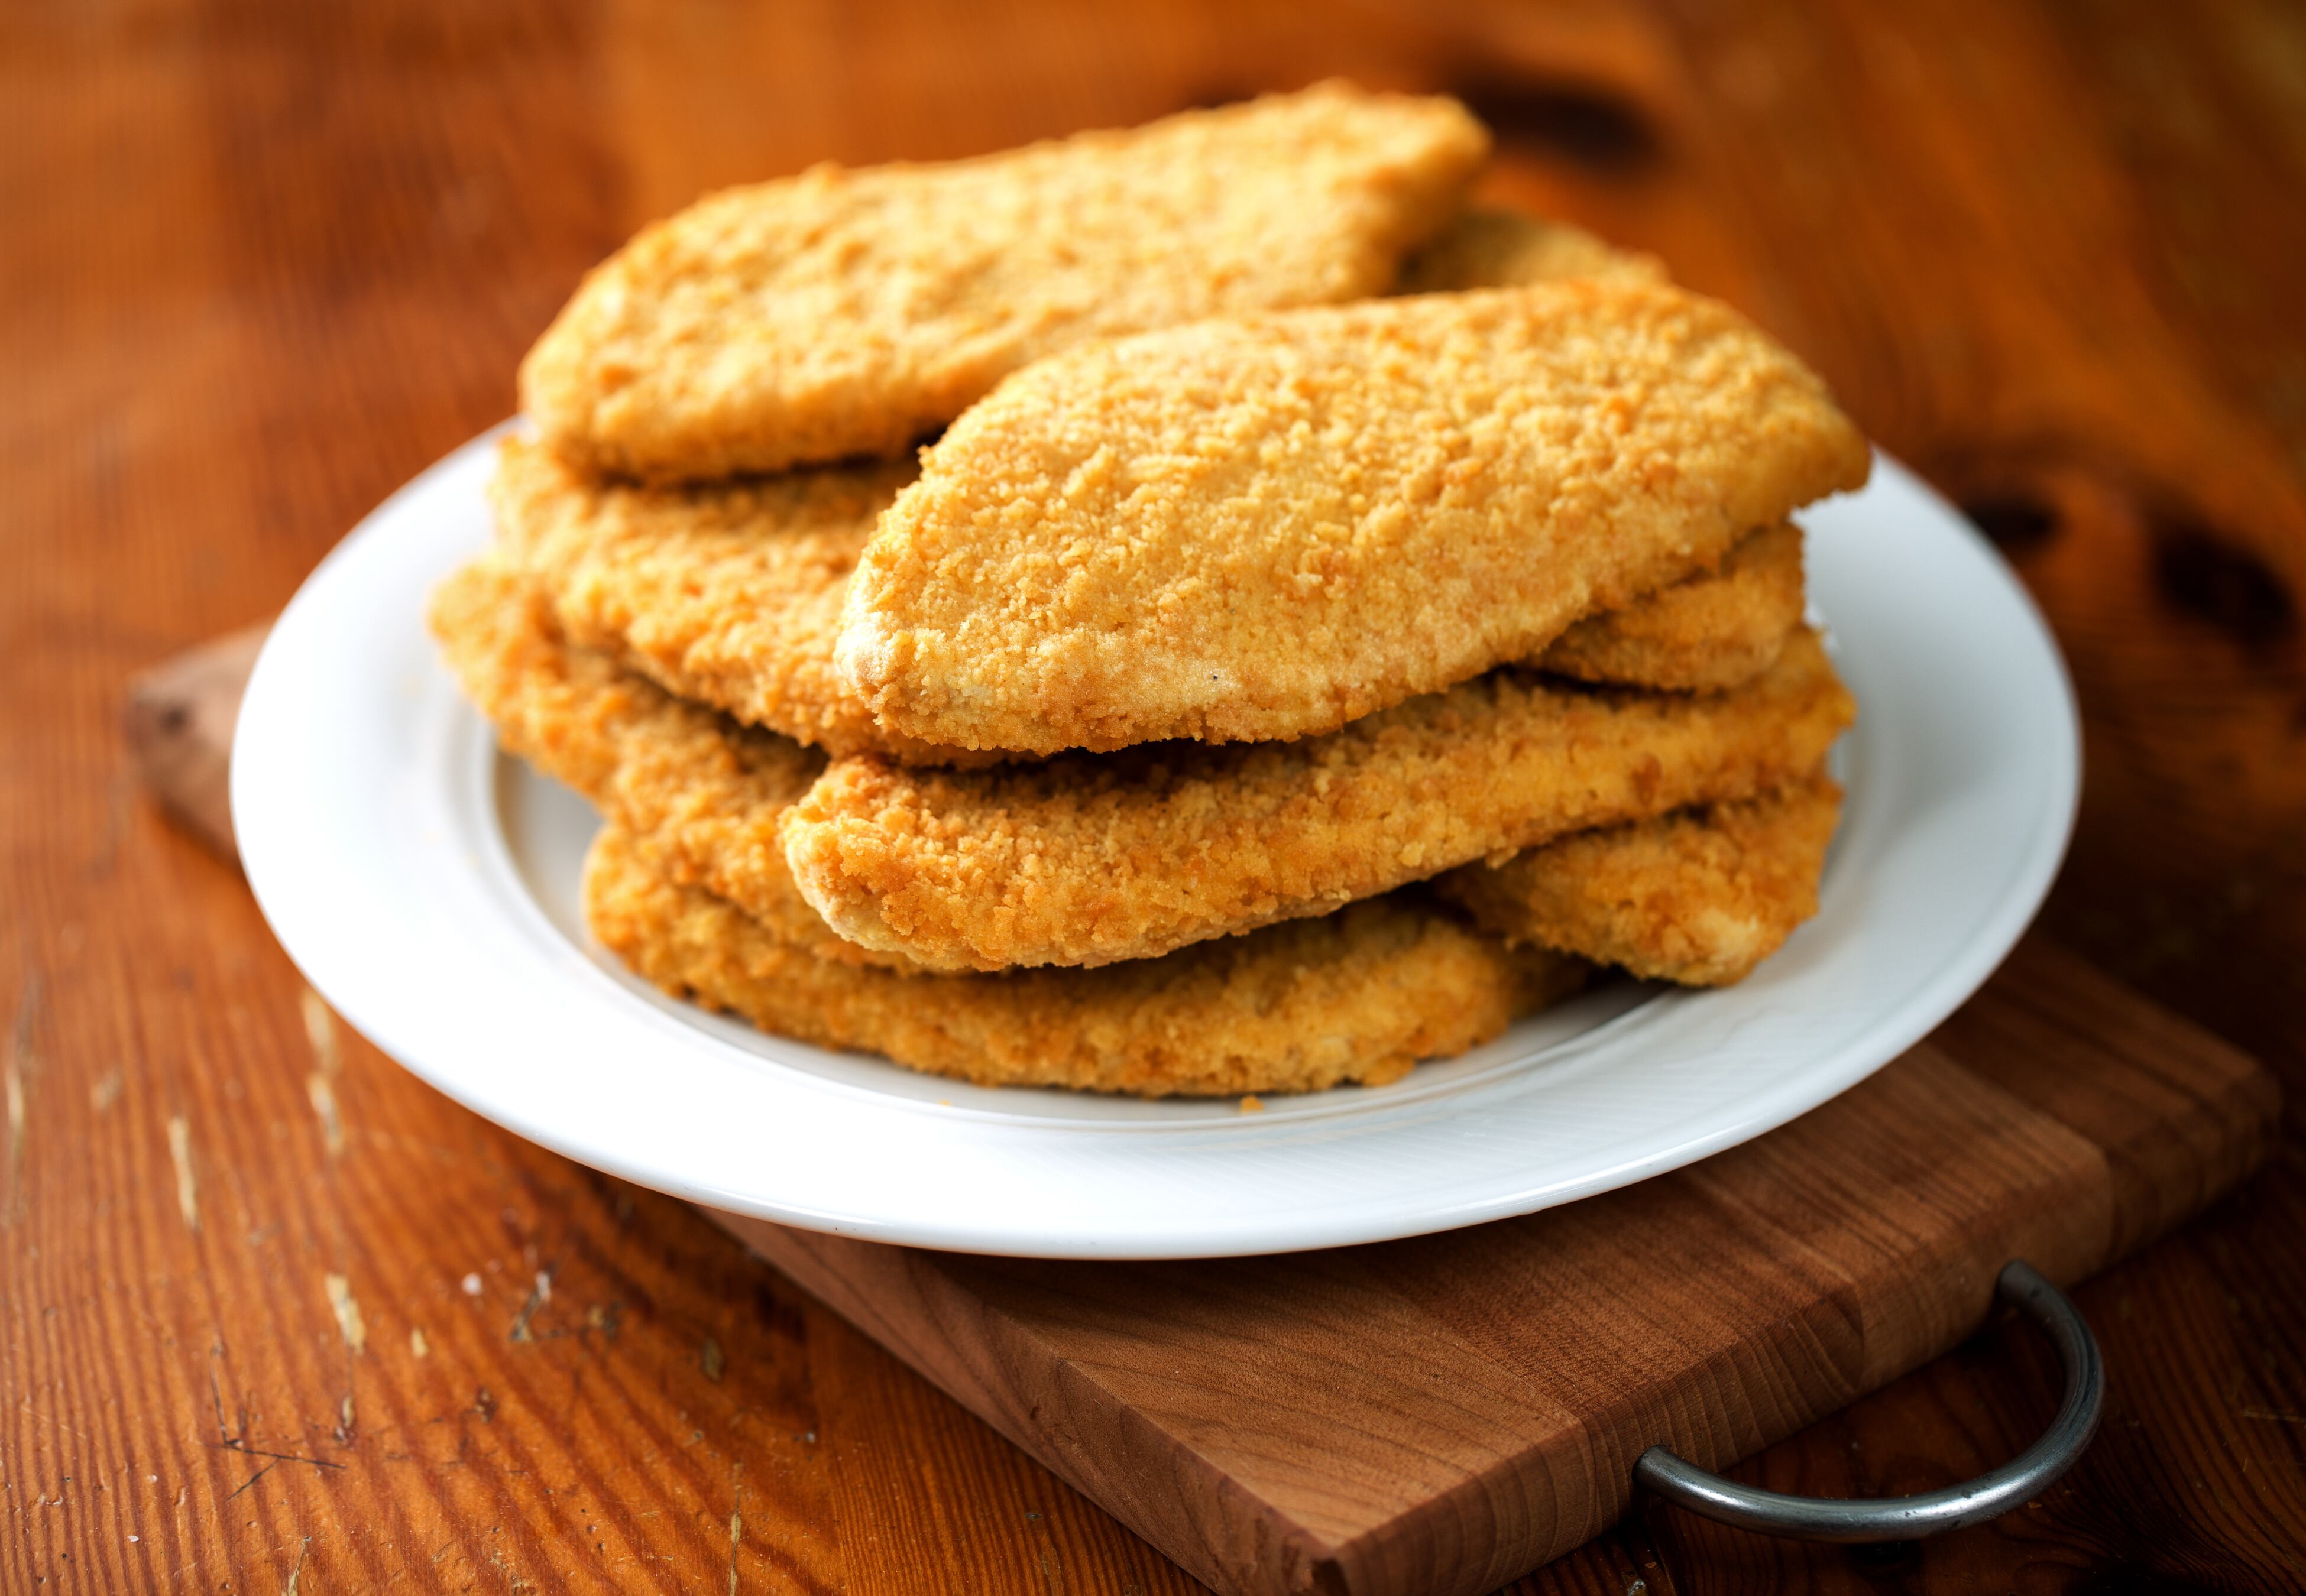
<point>1328,622</point>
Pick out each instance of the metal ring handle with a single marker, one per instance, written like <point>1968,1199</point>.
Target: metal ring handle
<point>1908,1518</point>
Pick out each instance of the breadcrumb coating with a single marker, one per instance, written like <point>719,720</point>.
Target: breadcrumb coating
<point>700,794</point>
<point>849,312</point>
<point>1360,996</point>
<point>703,797</point>
<point>1700,896</point>
<point>729,594</point>
<point>1487,247</point>
<point>1270,528</point>
<point>725,592</point>
<point>1705,632</point>
<point>1086,859</point>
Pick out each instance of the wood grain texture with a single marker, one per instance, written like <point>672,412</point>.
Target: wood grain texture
<point>179,722</point>
<point>1435,1415</point>
<point>264,262</point>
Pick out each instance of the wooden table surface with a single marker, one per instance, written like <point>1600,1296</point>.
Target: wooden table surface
<point>273,1316</point>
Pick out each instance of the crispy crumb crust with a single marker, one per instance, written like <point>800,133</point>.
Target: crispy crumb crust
<point>1704,633</point>
<point>849,312</point>
<point>1269,527</point>
<point>701,795</point>
<point>725,592</point>
<point>729,594</point>
<point>1360,996</point>
<point>1700,896</point>
<point>1489,247</point>
<point>1088,859</point>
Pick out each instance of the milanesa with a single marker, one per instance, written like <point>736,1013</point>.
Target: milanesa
<point>729,594</point>
<point>1266,528</point>
<point>848,312</point>
<point>707,800</point>
<point>1699,897</point>
<point>1357,995</point>
<point>1490,247</point>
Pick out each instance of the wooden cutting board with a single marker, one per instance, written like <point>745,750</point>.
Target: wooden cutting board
<point>1435,1416</point>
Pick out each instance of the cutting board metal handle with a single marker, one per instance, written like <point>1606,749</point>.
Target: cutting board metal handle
<point>1909,1518</point>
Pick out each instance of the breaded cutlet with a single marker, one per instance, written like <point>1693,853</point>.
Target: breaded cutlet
<point>1703,633</point>
<point>725,592</point>
<point>1358,996</point>
<point>1088,859</point>
<point>700,794</point>
<point>729,594</point>
<point>846,312</point>
<point>705,798</point>
<point>1699,897</point>
<point>1266,528</point>
<point>1489,247</point>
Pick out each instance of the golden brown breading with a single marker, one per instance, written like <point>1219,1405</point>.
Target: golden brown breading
<point>1360,996</point>
<point>729,594</point>
<point>1088,859</point>
<point>1267,528</point>
<point>1700,896</point>
<point>848,312</point>
<point>725,592</point>
<point>702,795</point>
<point>1489,248</point>
<point>1704,633</point>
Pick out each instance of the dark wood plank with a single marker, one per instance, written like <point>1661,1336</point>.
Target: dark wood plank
<point>264,262</point>
<point>178,723</point>
<point>1439,1415</point>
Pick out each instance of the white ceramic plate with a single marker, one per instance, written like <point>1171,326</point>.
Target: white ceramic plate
<point>427,887</point>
